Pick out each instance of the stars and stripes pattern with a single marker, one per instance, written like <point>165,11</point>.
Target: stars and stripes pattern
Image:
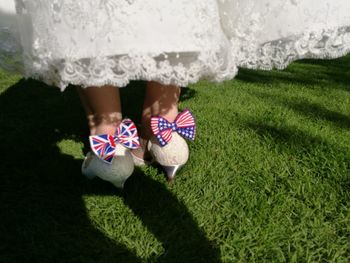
<point>184,125</point>
<point>104,145</point>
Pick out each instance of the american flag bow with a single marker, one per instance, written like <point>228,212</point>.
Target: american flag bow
<point>104,146</point>
<point>184,125</point>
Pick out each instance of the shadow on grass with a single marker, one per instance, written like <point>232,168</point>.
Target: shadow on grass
<point>308,71</point>
<point>43,217</point>
<point>309,109</point>
<point>300,145</point>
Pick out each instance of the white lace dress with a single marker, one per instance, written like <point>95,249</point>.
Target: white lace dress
<point>96,42</point>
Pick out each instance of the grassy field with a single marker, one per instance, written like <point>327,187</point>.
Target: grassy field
<point>268,178</point>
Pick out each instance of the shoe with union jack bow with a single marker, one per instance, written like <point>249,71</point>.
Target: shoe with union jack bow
<point>168,146</point>
<point>110,158</point>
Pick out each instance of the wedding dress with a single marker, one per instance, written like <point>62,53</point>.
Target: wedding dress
<point>97,42</point>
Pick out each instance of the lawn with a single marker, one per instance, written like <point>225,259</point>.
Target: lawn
<point>268,178</point>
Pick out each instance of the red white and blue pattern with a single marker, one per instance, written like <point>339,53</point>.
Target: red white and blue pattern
<point>104,146</point>
<point>184,125</point>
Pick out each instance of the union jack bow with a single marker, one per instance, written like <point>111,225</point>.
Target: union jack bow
<point>184,125</point>
<point>104,146</point>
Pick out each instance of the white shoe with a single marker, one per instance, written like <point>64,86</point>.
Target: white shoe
<point>168,146</point>
<point>172,156</point>
<point>110,158</point>
<point>117,172</point>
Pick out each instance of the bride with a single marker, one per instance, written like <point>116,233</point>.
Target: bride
<point>103,44</point>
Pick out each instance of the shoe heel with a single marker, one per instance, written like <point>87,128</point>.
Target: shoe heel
<point>171,171</point>
<point>89,176</point>
<point>84,167</point>
<point>170,157</point>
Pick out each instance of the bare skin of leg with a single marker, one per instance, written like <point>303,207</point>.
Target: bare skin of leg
<point>102,108</point>
<point>159,100</point>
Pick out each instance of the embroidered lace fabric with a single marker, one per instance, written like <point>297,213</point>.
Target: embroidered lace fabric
<point>92,43</point>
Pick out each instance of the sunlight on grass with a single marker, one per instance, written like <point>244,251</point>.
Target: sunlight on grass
<point>71,148</point>
<point>112,217</point>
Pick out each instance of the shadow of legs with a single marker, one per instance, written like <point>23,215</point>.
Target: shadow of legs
<point>43,217</point>
<point>170,221</point>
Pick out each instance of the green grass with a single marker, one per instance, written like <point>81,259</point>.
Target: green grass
<point>268,178</point>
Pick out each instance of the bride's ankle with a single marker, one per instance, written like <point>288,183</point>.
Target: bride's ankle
<point>104,123</point>
<point>169,115</point>
<point>146,131</point>
<point>105,129</point>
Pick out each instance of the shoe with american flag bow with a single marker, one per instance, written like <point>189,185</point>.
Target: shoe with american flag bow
<point>167,146</point>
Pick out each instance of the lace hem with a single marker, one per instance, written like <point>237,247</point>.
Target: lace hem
<point>325,44</point>
<point>179,69</point>
<point>183,69</point>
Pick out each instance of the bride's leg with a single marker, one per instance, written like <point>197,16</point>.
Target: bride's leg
<point>102,108</point>
<point>159,100</point>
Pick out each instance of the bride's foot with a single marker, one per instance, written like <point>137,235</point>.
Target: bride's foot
<point>142,156</point>
<point>117,172</point>
<point>171,157</point>
<point>168,146</point>
<point>110,158</point>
